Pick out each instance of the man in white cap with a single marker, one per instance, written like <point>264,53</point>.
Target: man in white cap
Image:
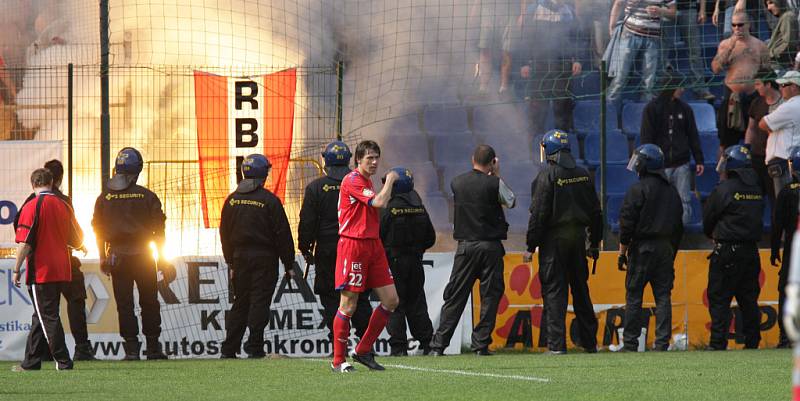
<point>783,126</point>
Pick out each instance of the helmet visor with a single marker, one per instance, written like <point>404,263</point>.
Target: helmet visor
<point>721,164</point>
<point>634,162</point>
<point>542,154</point>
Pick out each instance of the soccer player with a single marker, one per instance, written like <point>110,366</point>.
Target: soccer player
<point>360,258</point>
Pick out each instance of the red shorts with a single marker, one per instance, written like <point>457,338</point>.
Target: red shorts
<point>361,264</point>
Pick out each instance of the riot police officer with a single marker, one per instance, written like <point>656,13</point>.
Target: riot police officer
<point>127,217</point>
<point>650,230</point>
<point>75,291</point>
<point>318,233</point>
<point>784,224</point>
<point>406,232</point>
<point>255,234</point>
<point>564,205</point>
<point>732,218</point>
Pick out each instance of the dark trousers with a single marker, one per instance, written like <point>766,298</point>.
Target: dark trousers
<point>728,135</point>
<point>474,260</point>
<point>409,279</point>
<point>562,264</point>
<point>783,279</point>
<point>650,262</point>
<point>255,275</point>
<point>139,269</point>
<point>75,295</point>
<point>764,180</point>
<point>324,286</point>
<point>733,272</point>
<point>47,334</point>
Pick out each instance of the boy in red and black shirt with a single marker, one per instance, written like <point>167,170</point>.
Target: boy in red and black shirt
<point>47,229</point>
<point>360,258</point>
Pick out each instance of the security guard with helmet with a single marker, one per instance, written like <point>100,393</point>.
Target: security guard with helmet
<point>127,217</point>
<point>255,234</point>
<point>406,232</point>
<point>318,234</point>
<point>563,207</point>
<point>732,218</point>
<point>650,230</point>
<point>783,228</point>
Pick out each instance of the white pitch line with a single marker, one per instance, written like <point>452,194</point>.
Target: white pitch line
<point>461,372</point>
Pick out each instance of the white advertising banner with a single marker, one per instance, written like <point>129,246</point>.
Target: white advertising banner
<point>18,159</point>
<point>193,311</point>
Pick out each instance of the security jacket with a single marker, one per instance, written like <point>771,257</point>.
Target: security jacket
<point>734,210</point>
<point>319,221</point>
<point>651,210</point>
<point>406,226</point>
<point>128,220</point>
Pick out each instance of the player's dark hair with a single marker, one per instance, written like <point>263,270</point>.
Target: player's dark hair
<point>483,155</point>
<point>56,168</point>
<point>365,146</point>
<point>41,177</point>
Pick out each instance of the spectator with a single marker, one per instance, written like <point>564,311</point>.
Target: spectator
<point>783,43</point>
<point>687,23</point>
<point>641,34</point>
<point>783,126</point>
<point>550,64</point>
<point>769,98</point>
<point>725,9</point>
<point>497,19</point>
<point>668,122</point>
<point>593,16</point>
<point>740,57</point>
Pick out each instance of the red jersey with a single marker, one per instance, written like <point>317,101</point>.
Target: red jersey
<point>48,230</point>
<point>357,218</point>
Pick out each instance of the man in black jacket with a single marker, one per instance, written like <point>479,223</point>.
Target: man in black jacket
<point>650,231</point>
<point>783,228</point>
<point>406,232</point>
<point>255,234</point>
<point>564,205</point>
<point>668,122</point>
<point>732,218</point>
<point>75,291</point>
<point>479,226</point>
<point>127,217</point>
<point>318,233</point>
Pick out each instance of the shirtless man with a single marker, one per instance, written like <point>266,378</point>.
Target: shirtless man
<point>740,56</point>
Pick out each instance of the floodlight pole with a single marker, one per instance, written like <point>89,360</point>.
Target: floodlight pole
<point>105,114</point>
<point>339,97</point>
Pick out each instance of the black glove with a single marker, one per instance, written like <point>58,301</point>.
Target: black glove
<point>309,258</point>
<point>775,257</point>
<point>622,261</point>
<point>594,252</point>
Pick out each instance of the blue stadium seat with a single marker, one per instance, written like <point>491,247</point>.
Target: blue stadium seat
<point>445,119</point>
<point>402,149</point>
<point>710,147</point>
<point>696,217</point>
<point>426,178</point>
<point>514,147</point>
<point>497,119</point>
<point>587,117</point>
<point>518,217</point>
<point>705,183</point>
<point>452,148</point>
<point>618,179</point>
<point>407,124</point>
<point>613,206</point>
<point>438,209</point>
<point>616,148</point>
<point>519,176</point>
<point>450,171</point>
<point>632,119</point>
<point>705,117</point>
<point>586,85</point>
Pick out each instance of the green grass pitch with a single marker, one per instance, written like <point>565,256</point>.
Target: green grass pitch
<point>685,376</point>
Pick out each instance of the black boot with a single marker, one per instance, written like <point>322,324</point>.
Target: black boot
<point>153,350</point>
<point>84,352</point>
<point>132,349</point>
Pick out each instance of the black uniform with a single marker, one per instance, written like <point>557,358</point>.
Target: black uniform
<point>406,232</point>
<point>318,234</point>
<point>75,294</point>
<point>255,233</point>
<point>479,227</point>
<point>783,227</point>
<point>732,217</point>
<point>125,222</point>
<point>650,224</point>
<point>564,204</point>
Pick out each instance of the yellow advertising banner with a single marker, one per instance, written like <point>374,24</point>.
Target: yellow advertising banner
<point>519,316</point>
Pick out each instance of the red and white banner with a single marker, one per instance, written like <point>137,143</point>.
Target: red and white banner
<point>237,117</point>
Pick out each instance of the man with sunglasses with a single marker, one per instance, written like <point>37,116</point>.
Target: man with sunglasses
<point>783,127</point>
<point>740,57</point>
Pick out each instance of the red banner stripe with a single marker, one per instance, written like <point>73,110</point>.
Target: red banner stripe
<point>279,126</point>
<point>211,109</point>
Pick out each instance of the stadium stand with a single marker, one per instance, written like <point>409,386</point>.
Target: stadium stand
<point>618,179</point>
<point>518,216</point>
<point>445,119</point>
<point>616,148</point>
<point>453,148</point>
<point>439,210</point>
<point>696,217</point>
<point>632,119</point>
<point>586,117</point>
<point>501,119</point>
<point>706,182</point>
<point>512,148</point>
<point>705,117</point>
<point>519,176</point>
<point>398,150</point>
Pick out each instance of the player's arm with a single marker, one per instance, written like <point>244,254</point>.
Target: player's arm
<point>99,230</point>
<point>381,199</point>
